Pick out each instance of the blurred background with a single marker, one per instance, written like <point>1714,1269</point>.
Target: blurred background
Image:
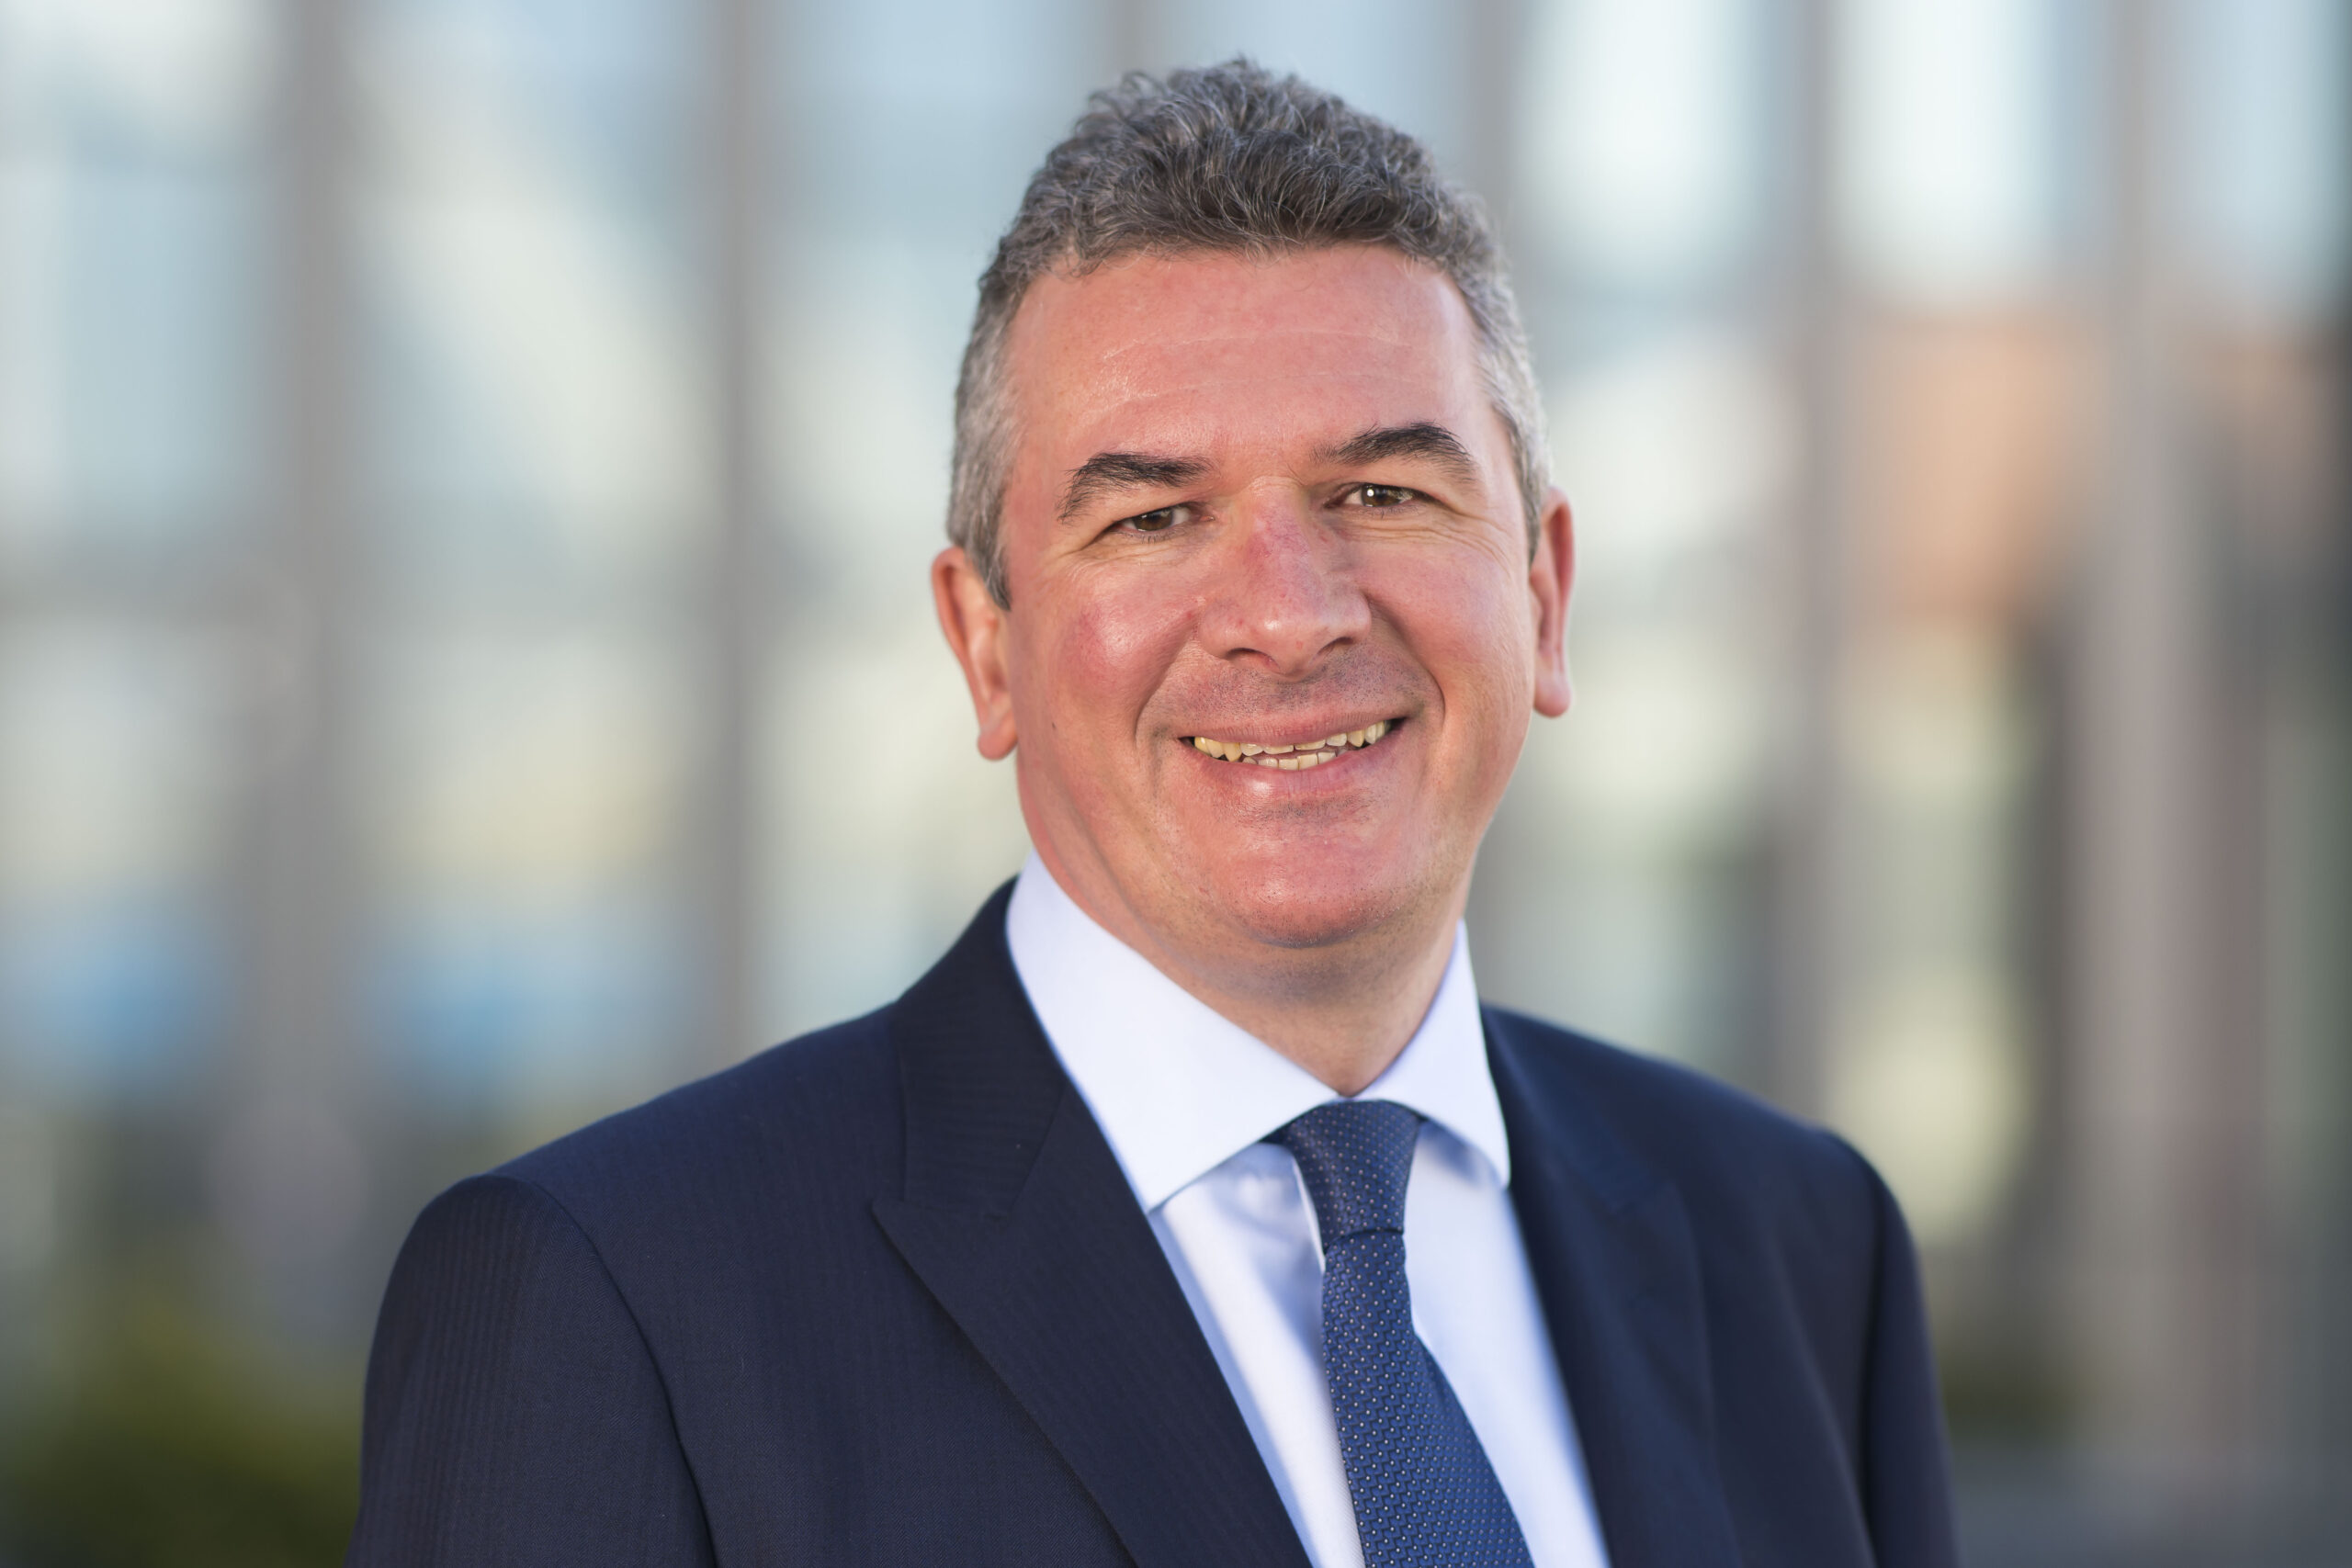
<point>466,470</point>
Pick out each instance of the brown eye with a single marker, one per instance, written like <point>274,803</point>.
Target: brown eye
<point>1383,496</point>
<point>1157,522</point>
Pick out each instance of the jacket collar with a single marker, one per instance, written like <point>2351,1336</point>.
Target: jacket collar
<point>1620,1279</point>
<point>1018,1219</point>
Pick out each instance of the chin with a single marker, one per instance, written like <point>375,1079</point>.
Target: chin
<point>1312,909</point>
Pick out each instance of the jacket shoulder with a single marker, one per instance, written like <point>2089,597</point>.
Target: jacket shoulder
<point>1728,1151</point>
<point>819,1110</point>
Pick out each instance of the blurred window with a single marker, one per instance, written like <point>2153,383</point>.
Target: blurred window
<point>1950,133</point>
<point>135,344</point>
<point>534,487</point>
<point>134,279</point>
<point>2264,152</point>
<point>114,794</point>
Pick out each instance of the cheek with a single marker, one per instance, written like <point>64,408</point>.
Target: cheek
<point>1475,636</point>
<point>1099,651</point>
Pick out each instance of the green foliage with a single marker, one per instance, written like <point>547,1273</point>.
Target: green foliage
<point>2004,1396</point>
<point>165,1444</point>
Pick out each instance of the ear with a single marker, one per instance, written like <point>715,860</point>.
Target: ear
<point>974,623</point>
<point>1549,577</point>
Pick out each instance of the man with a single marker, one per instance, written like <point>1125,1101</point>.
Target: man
<point>1192,1211</point>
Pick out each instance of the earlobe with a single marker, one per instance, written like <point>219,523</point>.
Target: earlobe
<point>1550,576</point>
<point>974,625</point>
<point>997,738</point>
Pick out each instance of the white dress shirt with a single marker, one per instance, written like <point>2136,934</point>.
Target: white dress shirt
<point>1184,1097</point>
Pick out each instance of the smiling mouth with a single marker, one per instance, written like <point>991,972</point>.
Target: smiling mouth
<point>1297,755</point>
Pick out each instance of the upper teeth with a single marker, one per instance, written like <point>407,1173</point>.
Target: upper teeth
<point>1295,755</point>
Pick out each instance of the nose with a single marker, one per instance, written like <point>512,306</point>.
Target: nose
<point>1284,593</point>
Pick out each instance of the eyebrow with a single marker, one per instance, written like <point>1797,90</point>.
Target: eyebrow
<point>1106,472</point>
<point>1432,441</point>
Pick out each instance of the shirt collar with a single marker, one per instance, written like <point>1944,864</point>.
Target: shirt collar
<point>1178,1089</point>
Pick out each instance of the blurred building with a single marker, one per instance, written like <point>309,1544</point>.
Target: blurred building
<point>466,470</point>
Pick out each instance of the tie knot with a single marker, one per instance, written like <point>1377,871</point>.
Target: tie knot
<point>1355,1157</point>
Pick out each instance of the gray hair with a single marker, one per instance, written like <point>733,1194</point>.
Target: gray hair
<point>1229,158</point>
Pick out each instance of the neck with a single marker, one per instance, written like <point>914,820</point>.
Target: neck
<point>1342,1010</point>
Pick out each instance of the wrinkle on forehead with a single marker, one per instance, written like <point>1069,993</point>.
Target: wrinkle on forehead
<point>1340,380</point>
<point>1172,374</point>
<point>1229,338</point>
<point>1153,305</point>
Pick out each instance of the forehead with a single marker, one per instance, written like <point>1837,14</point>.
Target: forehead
<point>1207,350</point>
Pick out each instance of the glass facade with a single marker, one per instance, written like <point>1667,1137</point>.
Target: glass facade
<point>467,469</point>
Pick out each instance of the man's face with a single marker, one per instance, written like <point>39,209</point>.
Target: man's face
<point>1260,505</point>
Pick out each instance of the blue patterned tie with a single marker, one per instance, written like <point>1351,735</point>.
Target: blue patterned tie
<point>1424,1494</point>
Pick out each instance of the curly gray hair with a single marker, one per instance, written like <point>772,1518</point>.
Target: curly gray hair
<point>1229,158</point>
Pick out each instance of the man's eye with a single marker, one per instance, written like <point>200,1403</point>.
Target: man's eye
<point>1383,496</point>
<point>1158,520</point>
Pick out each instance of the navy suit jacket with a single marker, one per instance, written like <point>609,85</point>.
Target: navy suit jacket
<point>882,1295</point>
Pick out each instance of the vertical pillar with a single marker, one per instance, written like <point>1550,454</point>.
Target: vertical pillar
<point>1805,901</point>
<point>1493,64</point>
<point>2162,1069</point>
<point>287,1166</point>
<point>725,830</point>
<point>1134,39</point>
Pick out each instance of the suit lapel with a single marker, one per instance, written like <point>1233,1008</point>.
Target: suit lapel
<point>1611,1251</point>
<point>1018,1219</point>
